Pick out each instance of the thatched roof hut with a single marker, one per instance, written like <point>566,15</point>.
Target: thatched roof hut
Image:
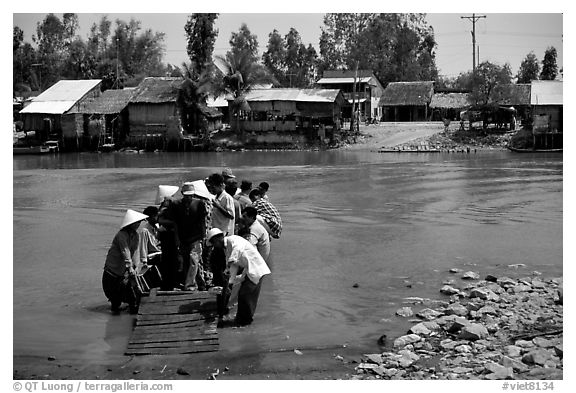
<point>449,101</point>
<point>407,101</point>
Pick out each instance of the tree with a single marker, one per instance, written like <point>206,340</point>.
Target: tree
<point>244,41</point>
<point>50,34</point>
<point>397,47</point>
<point>529,69</point>
<point>200,37</point>
<point>549,66</point>
<point>192,95</point>
<point>238,73</point>
<point>24,75</point>
<point>485,81</point>
<point>274,57</point>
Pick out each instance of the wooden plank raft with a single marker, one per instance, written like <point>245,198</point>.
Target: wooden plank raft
<point>175,322</point>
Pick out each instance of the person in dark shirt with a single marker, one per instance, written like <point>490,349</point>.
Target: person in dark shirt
<point>187,217</point>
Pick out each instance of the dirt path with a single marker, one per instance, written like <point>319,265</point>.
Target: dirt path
<point>375,137</point>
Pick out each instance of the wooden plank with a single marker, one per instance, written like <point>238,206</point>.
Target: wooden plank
<point>175,344</point>
<point>171,318</point>
<point>170,295</point>
<point>175,323</point>
<point>171,351</point>
<point>162,339</point>
<point>172,336</point>
<point>176,327</point>
<point>182,310</point>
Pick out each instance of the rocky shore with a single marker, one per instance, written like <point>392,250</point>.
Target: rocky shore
<point>495,329</point>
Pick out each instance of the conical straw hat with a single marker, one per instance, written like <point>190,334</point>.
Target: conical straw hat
<point>131,217</point>
<point>165,191</point>
<point>198,188</point>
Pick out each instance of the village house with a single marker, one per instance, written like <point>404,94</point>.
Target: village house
<point>287,115</point>
<point>517,97</point>
<point>45,114</point>
<point>448,103</point>
<point>407,101</point>
<point>546,99</point>
<point>367,94</point>
<point>159,118</point>
<point>103,120</point>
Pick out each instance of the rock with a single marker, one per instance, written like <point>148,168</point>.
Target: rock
<point>537,284</point>
<point>402,341</point>
<point>413,300</point>
<point>420,329</point>
<point>539,357</point>
<point>481,293</point>
<point>182,371</point>
<point>506,282</point>
<point>487,310</point>
<point>558,349</point>
<point>375,358</point>
<point>519,288</point>
<point>524,344</point>
<point>498,371</point>
<point>449,282</point>
<point>471,276</point>
<point>51,358</point>
<point>458,324</point>
<point>517,265</point>
<point>513,351</point>
<point>491,278</point>
<point>473,332</point>
<point>355,285</point>
<point>542,342</point>
<point>462,370</point>
<point>516,365</point>
<point>455,270</point>
<point>382,340</point>
<point>456,309</point>
<point>428,314</point>
<point>463,349</point>
<point>407,358</point>
<point>448,344</point>
<point>449,290</point>
<point>405,312</point>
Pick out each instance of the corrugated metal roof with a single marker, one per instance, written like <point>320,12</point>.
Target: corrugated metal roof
<point>302,95</point>
<point>61,96</point>
<point>347,73</point>
<point>407,93</point>
<point>546,93</point>
<point>111,101</point>
<point>53,107</point>
<point>327,81</point>
<point>449,100</point>
<point>156,90</point>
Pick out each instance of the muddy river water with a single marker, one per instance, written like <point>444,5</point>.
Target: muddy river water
<point>393,224</point>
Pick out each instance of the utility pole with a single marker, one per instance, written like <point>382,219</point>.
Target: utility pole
<point>474,18</point>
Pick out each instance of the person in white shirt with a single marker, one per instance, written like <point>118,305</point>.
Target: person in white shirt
<point>255,233</point>
<point>241,254</point>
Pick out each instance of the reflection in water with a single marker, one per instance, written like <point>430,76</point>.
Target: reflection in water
<point>392,224</point>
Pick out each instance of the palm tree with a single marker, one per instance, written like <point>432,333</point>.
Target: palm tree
<point>238,75</point>
<point>192,95</point>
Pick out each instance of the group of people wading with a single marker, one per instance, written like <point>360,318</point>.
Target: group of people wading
<point>216,235</point>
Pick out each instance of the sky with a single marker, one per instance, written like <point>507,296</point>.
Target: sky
<point>501,37</point>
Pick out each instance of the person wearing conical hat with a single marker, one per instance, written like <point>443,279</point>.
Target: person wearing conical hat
<point>118,280</point>
<point>187,217</point>
<point>165,192</point>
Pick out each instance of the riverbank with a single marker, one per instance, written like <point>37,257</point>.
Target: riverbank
<point>413,135</point>
<point>493,328</point>
<point>496,328</point>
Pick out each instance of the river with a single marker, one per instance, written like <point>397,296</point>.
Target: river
<point>362,231</point>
